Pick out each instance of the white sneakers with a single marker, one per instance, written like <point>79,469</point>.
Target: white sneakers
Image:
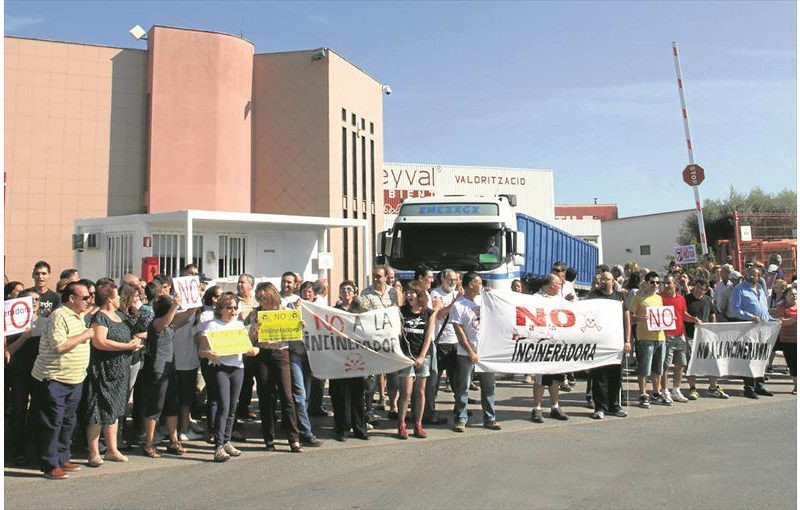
<point>677,396</point>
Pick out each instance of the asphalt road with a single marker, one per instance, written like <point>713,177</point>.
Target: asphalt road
<point>729,454</point>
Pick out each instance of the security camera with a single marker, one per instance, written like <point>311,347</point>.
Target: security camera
<point>386,89</point>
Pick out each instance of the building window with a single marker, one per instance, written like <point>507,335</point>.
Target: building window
<point>167,247</point>
<point>355,166</point>
<point>363,167</point>
<point>231,257</point>
<point>372,166</point>
<point>371,128</point>
<point>363,124</point>
<point>344,115</point>
<point>344,161</point>
<point>119,258</point>
<point>346,249</point>
<point>353,119</point>
<point>356,257</point>
<point>644,249</point>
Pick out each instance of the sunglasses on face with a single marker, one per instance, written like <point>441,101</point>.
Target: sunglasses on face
<point>347,289</point>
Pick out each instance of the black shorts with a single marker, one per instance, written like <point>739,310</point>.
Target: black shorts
<point>184,385</point>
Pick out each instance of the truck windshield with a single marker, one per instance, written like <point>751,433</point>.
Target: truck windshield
<point>457,246</point>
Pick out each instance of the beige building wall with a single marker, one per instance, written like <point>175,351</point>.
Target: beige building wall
<point>62,161</point>
<point>298,148</point>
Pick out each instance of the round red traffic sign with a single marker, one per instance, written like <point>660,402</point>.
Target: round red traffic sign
<point>693,175</point>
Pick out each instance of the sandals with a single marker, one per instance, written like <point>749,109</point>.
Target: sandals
<point>94,462</point>
<point>296,448</point>
<point>176,449</point>
<point>151,452</point>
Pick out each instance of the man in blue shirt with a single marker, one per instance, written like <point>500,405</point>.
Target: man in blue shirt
<point>749,303</point>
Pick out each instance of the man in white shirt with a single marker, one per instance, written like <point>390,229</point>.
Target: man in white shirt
<point>465,317</point>
<point>446,343</point>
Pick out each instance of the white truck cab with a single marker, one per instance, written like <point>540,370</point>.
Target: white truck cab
<point>464,233</point>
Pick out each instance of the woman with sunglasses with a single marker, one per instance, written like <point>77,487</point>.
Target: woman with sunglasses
<point>228,374</point>
<point>203,317</point>
<point>273,375</point>
<point>347,394</point>
<point>23,349</point>
<point>418,334</point>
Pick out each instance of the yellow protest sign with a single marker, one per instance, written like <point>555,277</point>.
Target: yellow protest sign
<point>225,342</point>
<point>279,326</point>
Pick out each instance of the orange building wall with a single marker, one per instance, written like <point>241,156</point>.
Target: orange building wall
<point>200,121</point>
<point>62,161</point>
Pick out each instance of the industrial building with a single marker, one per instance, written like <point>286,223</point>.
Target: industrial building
<point>197,121</point>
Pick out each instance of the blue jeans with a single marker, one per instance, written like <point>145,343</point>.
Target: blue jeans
<point>463,369</point>
<point>300,380</point>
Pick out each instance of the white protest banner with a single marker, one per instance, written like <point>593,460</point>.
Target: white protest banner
<point>685,254</point>
<point>732,348</point>
<point>660,318</point>
<point>342,344</point>
<point>524,334</point>
<point>188,288</point>
<point>18,316</point>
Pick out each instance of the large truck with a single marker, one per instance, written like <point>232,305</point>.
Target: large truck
<point>482,234</point>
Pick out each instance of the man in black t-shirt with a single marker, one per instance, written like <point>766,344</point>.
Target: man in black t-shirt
<point>48,299</point>
<point>701,307</point>
<point>606,382</point>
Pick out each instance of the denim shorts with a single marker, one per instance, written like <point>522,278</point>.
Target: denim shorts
<point>650,357</point>
<point>423,371</point>
<point>676,351</point>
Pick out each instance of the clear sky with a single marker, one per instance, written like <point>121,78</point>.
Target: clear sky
<point>587,89</point>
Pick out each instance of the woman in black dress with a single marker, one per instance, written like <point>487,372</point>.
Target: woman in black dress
<point>106,389</point>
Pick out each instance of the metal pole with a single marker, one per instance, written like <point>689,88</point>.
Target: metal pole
<point>698,204</point>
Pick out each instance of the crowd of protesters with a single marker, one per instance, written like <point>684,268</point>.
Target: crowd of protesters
<point>114,365</point>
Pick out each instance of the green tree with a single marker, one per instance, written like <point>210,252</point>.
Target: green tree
<point>718,214</point>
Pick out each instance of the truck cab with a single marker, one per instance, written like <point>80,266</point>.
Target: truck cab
<point>464,233</point>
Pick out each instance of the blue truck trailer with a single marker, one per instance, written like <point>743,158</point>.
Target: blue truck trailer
<point>545,244</point>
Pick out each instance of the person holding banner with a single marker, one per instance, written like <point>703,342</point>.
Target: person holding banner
<point>551,290</point>
<point>228,372</point>
<point>651,346</point>
<point>303,382</point>
<point>606,382</point>
<point>446,344</point>
<point>700,307</point>
<point>465,317</point>
<point>418,327</point>
<point>273,374</point>
<point>347,394</point>
<point>749,303</point>
<point>786,312</point>
<point>23,349</point>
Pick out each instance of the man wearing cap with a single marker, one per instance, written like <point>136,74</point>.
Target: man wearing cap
<point>723,298</point>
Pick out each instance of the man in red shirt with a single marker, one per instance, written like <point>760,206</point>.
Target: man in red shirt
<point>676,341</point>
